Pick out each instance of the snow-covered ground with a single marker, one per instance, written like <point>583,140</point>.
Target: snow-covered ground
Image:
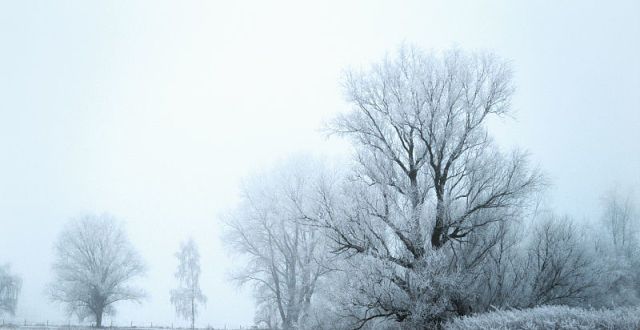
<point>84,327</point>
<point>551,317</point>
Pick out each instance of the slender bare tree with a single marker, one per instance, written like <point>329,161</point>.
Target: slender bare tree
<point>285,258</point>
<point>430,189</point>
<point>94,266</point>
<point>188,295</point>
<point>10,285</point>
<point>560,265</point>
<point>502,278</point>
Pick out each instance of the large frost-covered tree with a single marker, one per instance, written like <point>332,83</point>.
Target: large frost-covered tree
<point>431,191</point>
<point>285,259</point>
<point>188,295</point>
<point>10,285</point>
<point>94,266</point>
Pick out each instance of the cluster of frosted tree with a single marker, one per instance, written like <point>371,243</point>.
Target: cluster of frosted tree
<point>431,221</point>
<point>96,267</point>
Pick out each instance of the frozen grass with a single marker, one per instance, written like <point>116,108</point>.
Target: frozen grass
<point>551,317</point>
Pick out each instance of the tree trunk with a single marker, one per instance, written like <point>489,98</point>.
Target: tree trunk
<point>193,313</point>
<point>99,318</point>
<point>438,236</point>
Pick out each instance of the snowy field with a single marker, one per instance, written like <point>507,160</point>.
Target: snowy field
<point>86,327</point>
<point>551,317</point>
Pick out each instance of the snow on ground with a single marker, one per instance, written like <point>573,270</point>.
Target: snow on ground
<point>551,317</point>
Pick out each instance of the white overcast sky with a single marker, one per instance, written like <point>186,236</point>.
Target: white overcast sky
<point>155,111</point>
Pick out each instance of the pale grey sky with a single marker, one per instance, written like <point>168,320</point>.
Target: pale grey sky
<point>154,111</point>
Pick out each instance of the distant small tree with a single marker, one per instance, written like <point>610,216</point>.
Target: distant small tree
<point>621,222</point>
<point>9,290</point>
<point>618,241</point>
<point>94,265</point>
<point>188,295</point>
